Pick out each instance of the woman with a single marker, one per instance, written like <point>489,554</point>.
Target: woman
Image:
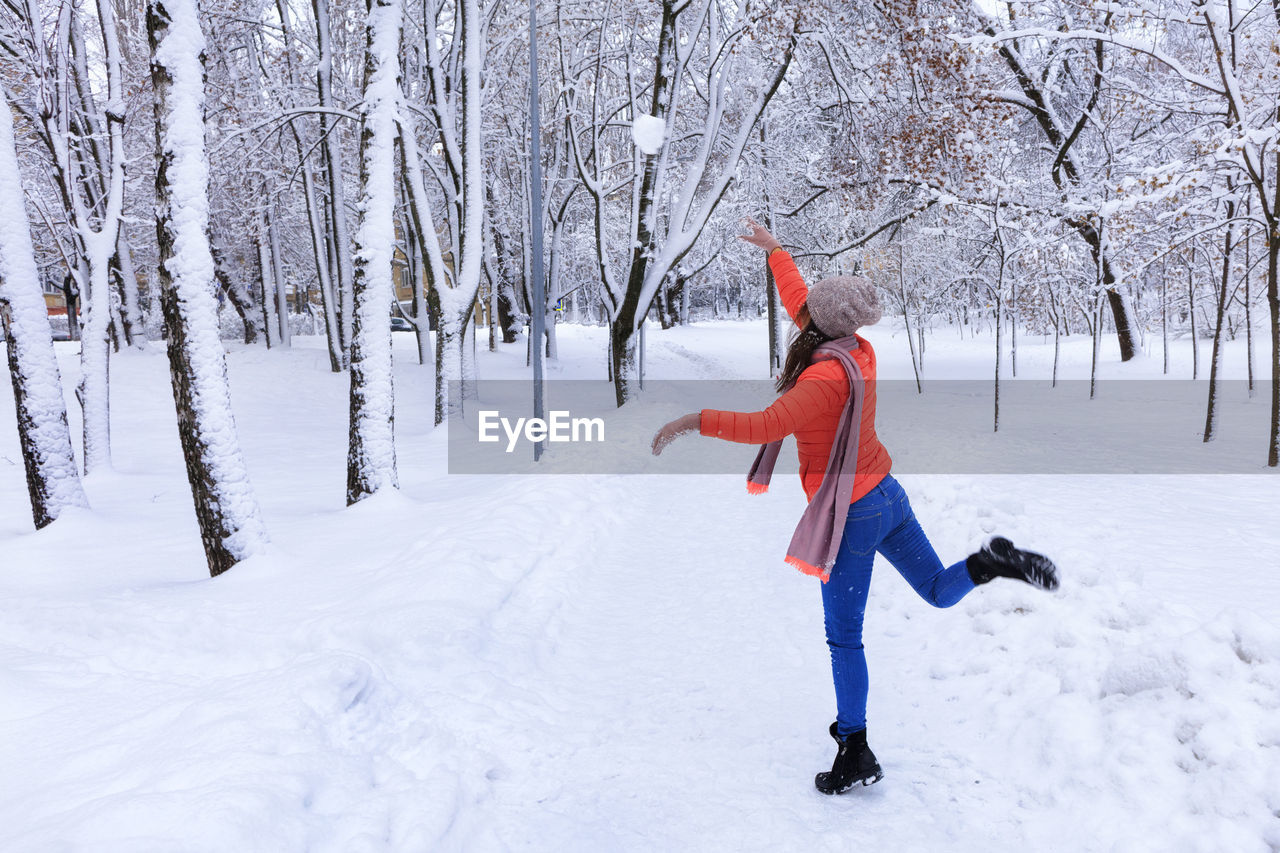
<point>828,402</point>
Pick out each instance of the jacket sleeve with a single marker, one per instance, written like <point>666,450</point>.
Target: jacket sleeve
<point>807,400</point>
<point>791,286</point>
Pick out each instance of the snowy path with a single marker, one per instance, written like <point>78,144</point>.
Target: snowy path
<point>621,663</point>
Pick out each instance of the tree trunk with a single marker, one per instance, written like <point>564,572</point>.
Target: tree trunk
<point>1013,331</point>
<point>508,314</point>
<point>270,324</point>
<point>115,328</point>
<point>95,365</point>
<point>333,333</point>
<point>669,300</point>
<point>920,338</point>
<point>996,408</point>
<point>241,297</point>
<point>1057,351</point>
<point>1120,315</point>
<point>775,314</point>
<point>1248,317</point>
<point>331,152</point>
<point>1164,317</point>
<point>1191,311</point>
<point>1095,330</point>
<point>1273,302</point>
<point>773,308</point>
<point>226,509</point>
<point>552,350</point>
<point>417,304</point>
<point>71,295</point>
<point>505,311</point>
<point>371,453</point>
<point>130,313</point>
<point>53,482</point>
<point>622,362</point>
<point>491,306</point>
<point>906,324</point>
<point>449,341</point>
<point>468,362</point>
<point>277,273</point>
<point>1210,417</point>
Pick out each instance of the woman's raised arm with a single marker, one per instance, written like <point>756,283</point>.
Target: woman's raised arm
<point>791,286</point>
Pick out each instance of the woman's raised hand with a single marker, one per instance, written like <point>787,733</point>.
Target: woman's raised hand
<point>759,236</point>
<point>670,432</point>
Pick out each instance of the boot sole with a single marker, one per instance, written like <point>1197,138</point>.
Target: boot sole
<point>866,782</point>
<point>1038,570</point>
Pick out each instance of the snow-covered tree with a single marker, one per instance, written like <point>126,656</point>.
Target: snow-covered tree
<point>84,143</point>
<point>1061,91</point>
<point>450,82</point>
<point>53,481</point>
<point>657,133</point>
<point>230,522</point>
<point>339,238</point>
<point>1223,68</point>
<point>371,453</point>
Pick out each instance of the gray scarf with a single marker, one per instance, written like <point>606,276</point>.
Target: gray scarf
<point>816,542</point>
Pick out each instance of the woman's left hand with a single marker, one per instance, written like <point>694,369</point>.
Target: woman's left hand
<point>760,236</point>
<point>670,432</point>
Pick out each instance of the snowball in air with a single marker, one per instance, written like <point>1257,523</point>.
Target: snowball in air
<point>648,132</point>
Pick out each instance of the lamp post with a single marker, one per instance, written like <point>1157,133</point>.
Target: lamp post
<point>538,311</point>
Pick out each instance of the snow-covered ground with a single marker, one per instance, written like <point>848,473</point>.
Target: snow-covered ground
<point>618,662</point>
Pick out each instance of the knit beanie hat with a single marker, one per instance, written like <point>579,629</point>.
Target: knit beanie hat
<point>840,305</point>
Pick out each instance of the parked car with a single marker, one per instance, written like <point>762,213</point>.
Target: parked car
<point>405,310</point>
<point>400,324</point>
<point>60,327</point>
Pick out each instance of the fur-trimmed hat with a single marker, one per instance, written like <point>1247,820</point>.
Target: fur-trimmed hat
<point>841,305</point>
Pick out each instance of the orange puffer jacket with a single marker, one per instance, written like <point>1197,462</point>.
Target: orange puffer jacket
<point>811,408</point>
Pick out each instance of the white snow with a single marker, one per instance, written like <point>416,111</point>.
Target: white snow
<point>648,132</point>
<point>620,663</point>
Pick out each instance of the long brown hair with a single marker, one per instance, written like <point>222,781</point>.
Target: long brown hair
<point>800,353</point>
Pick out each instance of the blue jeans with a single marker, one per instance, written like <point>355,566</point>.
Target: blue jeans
<point>881,521</point>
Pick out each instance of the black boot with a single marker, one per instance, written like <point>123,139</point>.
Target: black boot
<point>999,559</point>
<point>855,762</point>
